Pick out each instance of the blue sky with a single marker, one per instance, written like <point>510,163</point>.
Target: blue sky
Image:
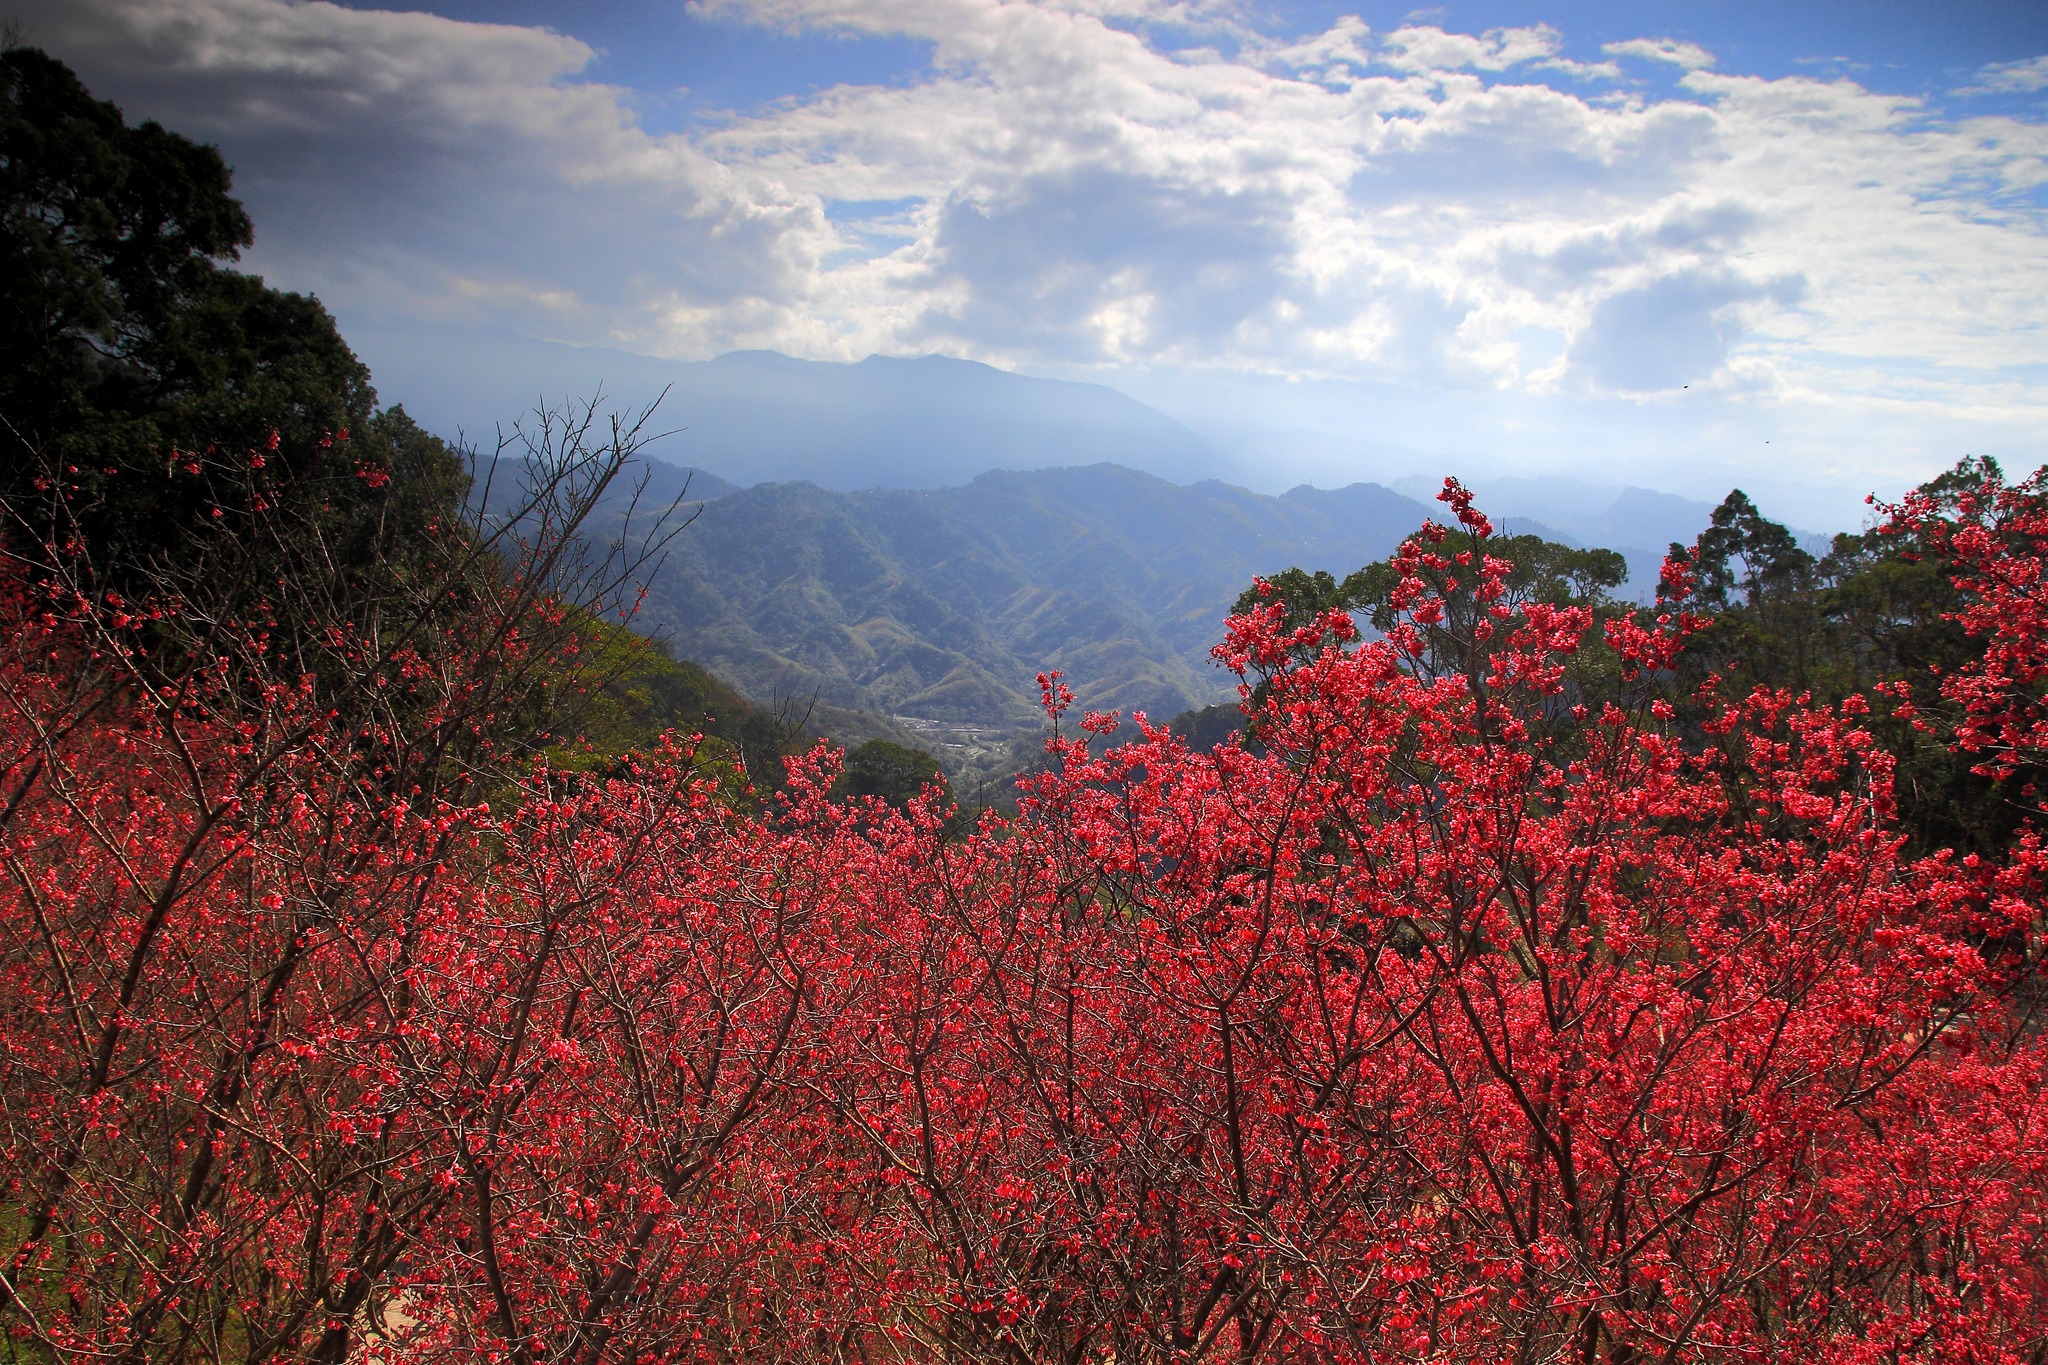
<point>682,61</point>
<point>1801,247</point>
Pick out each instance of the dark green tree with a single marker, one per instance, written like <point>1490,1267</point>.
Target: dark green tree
<point>153,397</point>
<point>175,434</point>
<point>893,772</point>
<point>1764,592</point>
<point>1303,595</point>
<point>1872,611</point>
<point>1889,599</point>
<point>1543,571</point>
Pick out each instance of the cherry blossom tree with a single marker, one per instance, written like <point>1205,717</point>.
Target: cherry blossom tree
<point>1490,1008</point>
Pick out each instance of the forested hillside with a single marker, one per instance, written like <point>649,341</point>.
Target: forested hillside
<point>943,604</point>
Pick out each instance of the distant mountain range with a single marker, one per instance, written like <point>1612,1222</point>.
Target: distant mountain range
<point>942,605</point>
<point>938,607</point>
<point>853,551</point>
<point>756,416</point>
<point>935,422</point>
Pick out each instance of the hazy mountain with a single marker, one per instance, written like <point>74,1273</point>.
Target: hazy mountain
<point>921,423</point>
<point>1590,513</point>
<point>756,416</point>
<point>942,605</point>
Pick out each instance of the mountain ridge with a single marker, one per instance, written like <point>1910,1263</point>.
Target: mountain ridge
<point>942,605</point>
<point>760,416</point>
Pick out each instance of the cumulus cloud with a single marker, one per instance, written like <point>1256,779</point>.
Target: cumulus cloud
<point>1427,48</point>
<point>1691,56</point>
<point>2010,78</point>
<point>1670,330</point>
<point>1064,186</point>
<point>463,170</point>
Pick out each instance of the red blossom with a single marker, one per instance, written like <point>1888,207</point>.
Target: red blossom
<point>1465,1018</point>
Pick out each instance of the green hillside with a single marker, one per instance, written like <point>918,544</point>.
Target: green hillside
<point>940,607</point>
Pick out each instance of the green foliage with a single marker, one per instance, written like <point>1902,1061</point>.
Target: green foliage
<point>629,693</point>
<point>893,772</point>
<point>1764,592</point>
<point>1543,571</point>
<point>1874,610</point>
<point>1303,596</point>
<point>141,379</point>
<point>1209,726</point>
<point>111,234</point>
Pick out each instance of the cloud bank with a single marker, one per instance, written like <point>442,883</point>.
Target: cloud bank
<point>1138,183</point>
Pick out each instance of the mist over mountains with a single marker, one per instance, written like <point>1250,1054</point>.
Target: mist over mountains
<point>938,422</point>
<point>756,416</point>
<point>919,539</point>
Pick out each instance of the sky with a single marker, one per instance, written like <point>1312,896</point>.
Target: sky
<point>1801,246</point>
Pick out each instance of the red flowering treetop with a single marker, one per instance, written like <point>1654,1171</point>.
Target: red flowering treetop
<point>1990,539</point>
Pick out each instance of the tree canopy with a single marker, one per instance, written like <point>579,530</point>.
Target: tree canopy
<point>893,773</point>
<point>155,387</point>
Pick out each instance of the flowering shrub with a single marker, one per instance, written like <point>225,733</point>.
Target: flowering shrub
<point>1482,1013</point>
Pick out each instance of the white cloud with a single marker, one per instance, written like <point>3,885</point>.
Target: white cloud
<point>1425,48</point>
<point>1670,329</point>
<point>1691,56</point>
<point>1584,71</point>
<point>1421,208</point>
<point>412,163</point>
<point>2010,78</point>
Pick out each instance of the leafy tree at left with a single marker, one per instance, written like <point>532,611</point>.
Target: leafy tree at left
<point>153,397</point>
